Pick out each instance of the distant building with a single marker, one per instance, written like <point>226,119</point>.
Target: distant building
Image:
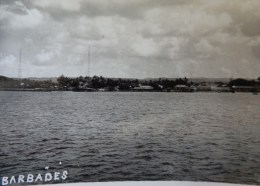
<point>143,88</point>
<point>243,88</point>
<point>193,88</point>
<point>181,88</point>
<point>220,89</point>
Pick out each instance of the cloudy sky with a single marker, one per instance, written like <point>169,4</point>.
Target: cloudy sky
<point>137,38</point>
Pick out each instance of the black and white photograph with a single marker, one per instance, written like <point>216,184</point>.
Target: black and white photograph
<point>130,92</point>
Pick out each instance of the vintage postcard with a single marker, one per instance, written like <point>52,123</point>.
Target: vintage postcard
<point>129,90</point>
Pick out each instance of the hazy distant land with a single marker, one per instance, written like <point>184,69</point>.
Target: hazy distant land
<point>99,83</point>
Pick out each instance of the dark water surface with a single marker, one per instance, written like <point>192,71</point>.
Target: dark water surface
<point>132,136</point>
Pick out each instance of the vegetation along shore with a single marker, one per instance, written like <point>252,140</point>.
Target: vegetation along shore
<point>99,83</point>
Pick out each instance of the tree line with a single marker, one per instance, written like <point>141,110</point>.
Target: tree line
<point>99,82</point>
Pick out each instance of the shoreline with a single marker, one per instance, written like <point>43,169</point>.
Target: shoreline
<point>33,90</point>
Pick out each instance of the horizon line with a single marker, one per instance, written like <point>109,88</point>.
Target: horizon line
<point>46,77</point>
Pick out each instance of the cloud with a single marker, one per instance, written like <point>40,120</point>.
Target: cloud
<point>136,38</point>
<point>256,51</point>
<point>206,49</point>
<point>184,21</point>
<point>44,56</point>
<point>145,47</point>
<point>29,18</point>
<point>8,60</point>
<point>63,4</point>
<point>8,63</point>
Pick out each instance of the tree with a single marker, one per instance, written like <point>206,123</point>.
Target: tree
<point>62,80</point>
<point>241,82</point>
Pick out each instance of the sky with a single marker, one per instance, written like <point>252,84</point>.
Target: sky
<point>130,39</point>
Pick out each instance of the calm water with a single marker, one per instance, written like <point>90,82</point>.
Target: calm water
<point>132,136</point>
